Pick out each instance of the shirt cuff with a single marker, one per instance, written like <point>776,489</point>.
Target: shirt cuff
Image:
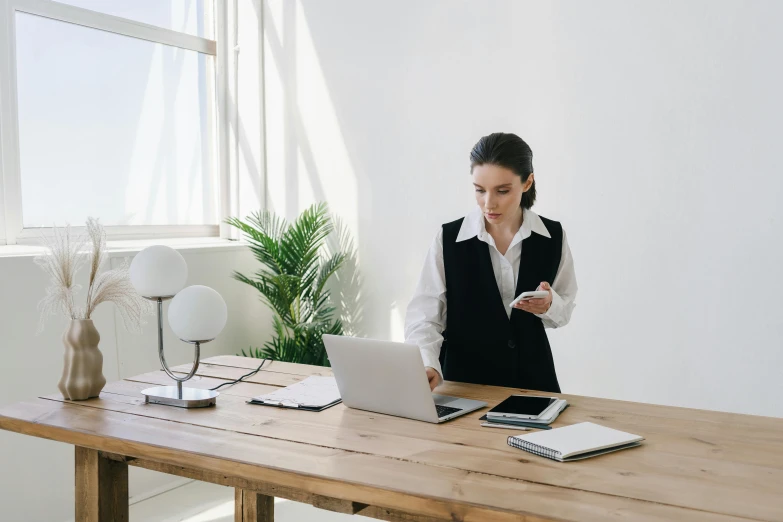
<point>555,310</point>
<point>433,362</point>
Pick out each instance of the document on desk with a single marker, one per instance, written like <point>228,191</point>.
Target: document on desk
<point>315,393</point>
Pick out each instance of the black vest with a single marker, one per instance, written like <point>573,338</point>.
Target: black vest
<point>481,344</point>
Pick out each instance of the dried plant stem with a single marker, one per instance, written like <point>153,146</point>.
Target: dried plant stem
<point>64,257</point>
<point>98,254</point>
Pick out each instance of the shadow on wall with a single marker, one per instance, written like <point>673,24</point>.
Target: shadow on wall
<point>370,129</point>
<point>307,156</point>
<point>346,284</point>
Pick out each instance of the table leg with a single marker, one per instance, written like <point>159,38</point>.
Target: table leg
<point>250,506</point>
<point>101,487</point>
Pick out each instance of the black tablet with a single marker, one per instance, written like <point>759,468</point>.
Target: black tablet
<point>522,406</point>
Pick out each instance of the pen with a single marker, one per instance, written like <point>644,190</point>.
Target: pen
<point>284,404</point>
<point>491,425</point>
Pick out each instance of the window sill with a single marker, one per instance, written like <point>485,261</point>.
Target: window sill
<point>124,248</point>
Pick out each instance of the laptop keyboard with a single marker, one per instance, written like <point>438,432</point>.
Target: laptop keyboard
<point>445,410</point>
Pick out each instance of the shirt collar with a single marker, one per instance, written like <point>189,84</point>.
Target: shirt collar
<point>474,226</point>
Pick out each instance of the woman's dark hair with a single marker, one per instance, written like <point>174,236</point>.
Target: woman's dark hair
<point>508,151</point>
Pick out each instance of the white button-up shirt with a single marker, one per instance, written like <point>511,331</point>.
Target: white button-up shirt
<point>425,319</point>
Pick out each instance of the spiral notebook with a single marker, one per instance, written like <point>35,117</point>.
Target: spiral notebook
<point>576,442</point>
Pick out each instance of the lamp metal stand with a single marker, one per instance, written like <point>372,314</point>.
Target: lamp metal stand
<point>178,395</point>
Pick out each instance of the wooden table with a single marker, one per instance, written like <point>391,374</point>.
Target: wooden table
<point>694,465</point>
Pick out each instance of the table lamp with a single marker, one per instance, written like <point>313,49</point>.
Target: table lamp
<point>197,315</point>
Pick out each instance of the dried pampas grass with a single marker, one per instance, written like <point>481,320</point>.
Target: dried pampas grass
<point>64,256</point>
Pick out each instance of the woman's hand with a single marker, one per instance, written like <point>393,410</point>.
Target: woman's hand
<point>537,306</point>
<point>432,376</point>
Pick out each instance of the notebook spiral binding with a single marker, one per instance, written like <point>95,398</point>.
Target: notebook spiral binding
<point>533,448</point>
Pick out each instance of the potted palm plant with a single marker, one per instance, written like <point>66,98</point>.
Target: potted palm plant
<point>293,282</point>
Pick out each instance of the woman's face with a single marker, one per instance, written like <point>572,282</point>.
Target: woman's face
<point>499,192</point>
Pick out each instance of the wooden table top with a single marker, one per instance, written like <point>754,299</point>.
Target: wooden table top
<point>693,465</point>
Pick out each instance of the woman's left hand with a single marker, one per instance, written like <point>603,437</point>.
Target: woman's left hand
<point>537,306</point>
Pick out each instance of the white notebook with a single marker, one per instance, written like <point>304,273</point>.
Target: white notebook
<point>575,442</point>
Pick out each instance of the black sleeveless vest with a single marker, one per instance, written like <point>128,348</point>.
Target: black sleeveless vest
<point>481,344</point>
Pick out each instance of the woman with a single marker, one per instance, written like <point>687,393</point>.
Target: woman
<point>459,315</point>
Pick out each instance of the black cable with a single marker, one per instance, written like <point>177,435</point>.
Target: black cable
<point>241,378</point>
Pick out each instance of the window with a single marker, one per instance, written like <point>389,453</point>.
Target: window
<point>110,112</point>
<point>186,16</point>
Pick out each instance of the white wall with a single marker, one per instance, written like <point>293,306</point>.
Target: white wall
<point>32,366</point>
<point>654,127</point>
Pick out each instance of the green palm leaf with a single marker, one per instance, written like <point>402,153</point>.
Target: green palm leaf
<point>292,282</point>
<point>328,268</point>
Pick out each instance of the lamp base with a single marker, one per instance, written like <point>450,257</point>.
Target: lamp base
<point>186,398</point>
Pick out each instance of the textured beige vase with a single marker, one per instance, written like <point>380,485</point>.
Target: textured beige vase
<point>83,370</point>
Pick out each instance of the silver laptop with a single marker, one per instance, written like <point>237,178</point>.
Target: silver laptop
<point>387,377</point>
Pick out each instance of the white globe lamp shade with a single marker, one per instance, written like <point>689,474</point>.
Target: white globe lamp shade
<point>158,271</point>
<point>197,313</point>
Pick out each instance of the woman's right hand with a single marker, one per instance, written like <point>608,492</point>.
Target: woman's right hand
<point>432,376</point>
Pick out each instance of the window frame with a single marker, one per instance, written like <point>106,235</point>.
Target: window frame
<point>12,230</point>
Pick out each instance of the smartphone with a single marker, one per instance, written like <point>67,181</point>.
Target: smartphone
<point>534,294</point>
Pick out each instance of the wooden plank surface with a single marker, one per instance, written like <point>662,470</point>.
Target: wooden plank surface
<point>666,479</point>
<point>730,437</point>
<point>440,493</point>
<point>331,504</point>
<point>695,465</point>
<point>704,460</point>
